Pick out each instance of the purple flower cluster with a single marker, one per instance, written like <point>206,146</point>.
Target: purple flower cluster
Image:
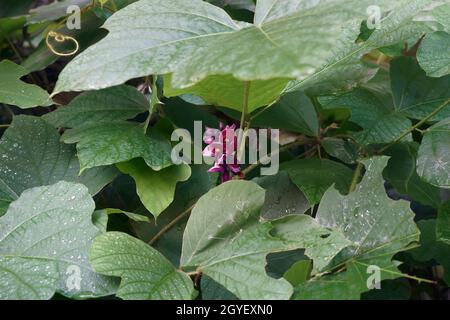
<point>222,146</point>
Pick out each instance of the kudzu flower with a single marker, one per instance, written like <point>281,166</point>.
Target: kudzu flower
<point>222,146</point>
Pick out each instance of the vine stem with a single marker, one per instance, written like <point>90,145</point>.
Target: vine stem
<point>171,224</point>
<point>416,126</point>
<point>4,125</point>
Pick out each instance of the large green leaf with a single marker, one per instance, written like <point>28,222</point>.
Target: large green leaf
<point>156,189</point>
<point>225,240</point>
<point>16,92</point>
<point>433,162</point>
<point>110,143</point>
<point>401,173</point>
<point>116,103</point>
<point>344,69</point>
<point>44,236</point>
<point>42,160</point>
<point>434,54</point>
<point>377,226</point>
<point>291,39</point>
<point>145,273</point>
<point>314,176</point>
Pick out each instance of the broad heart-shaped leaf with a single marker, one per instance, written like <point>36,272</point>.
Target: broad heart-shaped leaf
<point>114,142</point>
<point>112,104</point>
<point>434,54</point>
<point>344,69</point>
<point>294,112</point>
<point>145,273</point>
<point>156,189</point>
<point>401,173</point>
<point>283,43</point>
<point>225,240</point>
<point>41,160</point>
<point>433,162</point>
<point>314,176</point>
<point>44,242</point>
<point>377,226</point>
<point>15,92</point>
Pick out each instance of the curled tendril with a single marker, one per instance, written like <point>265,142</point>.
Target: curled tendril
<point>59,37</point>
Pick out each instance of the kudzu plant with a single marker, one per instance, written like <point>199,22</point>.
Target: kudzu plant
<point>106,129</point>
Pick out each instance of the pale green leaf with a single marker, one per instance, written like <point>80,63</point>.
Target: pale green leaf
<point>294,41</point>
<point>156,189</point>
<point>15,92</point>
<point>377,226</point>
<point>434,54</point>
<point>145,273</point>
<point>46,231</point>
<point>110,143</point>
<point>225,239</point>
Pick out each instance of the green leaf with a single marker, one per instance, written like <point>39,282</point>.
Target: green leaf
<point>344,150</point>
<point>377,226</point>
<point>294,112</point>
<point>145,273</point>
<point>433,54</point>
<point>227,91</point>
<point>15,92</point>
<point>110,143</point>
<point>314,176</point>
<point>156,189</point>
<point>401,173</point>
<point>414,94</point>
<point>432,248</point>
<point>282,196</point>
<point>434,155</point>
<point>186,194</point>
<point>225,239</point>
<point>103,106</point>
<point>299,272</point>
<point>442,15</point>
<point>47,231</point>
<point>208,42</point>
<point>443,224</point>
<point>42,160</point>
<point>344,69</point>
<point>380,123</point>
<point>384,118</point>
